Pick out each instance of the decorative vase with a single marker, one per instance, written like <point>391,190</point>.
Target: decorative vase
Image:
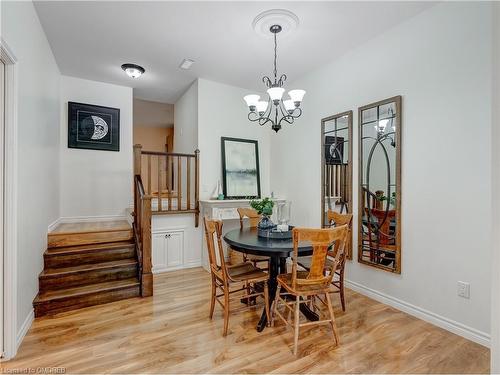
<point>265,222</point>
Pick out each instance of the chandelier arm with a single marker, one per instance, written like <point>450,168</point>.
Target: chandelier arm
<point>267,81</point>
<point>282,80</point>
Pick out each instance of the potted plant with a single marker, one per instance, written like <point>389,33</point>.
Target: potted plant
<point>264,207</point>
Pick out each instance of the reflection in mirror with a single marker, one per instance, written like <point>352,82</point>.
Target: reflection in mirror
<point>379,229</point>
<point>336,176</point>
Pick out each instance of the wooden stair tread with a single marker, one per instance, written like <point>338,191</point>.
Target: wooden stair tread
<point>88,248</point>
<point>52,295</point>
<point>91,227</point>
<point>53,272</point>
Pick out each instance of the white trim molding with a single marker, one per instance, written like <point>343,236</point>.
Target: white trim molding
<point>10,226</point>
<point>25,328</point>
<point>460,329</point>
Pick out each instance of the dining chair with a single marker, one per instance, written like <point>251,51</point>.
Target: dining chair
<point>253,218</point>
<point>307,286</point>
<point>381,238</point>
<point>334,219</point>
<point>242,276</point>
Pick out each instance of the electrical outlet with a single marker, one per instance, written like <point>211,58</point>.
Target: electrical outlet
<point>463,289</point>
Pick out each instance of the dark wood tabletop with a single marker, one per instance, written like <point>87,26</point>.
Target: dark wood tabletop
<point>246,240</point>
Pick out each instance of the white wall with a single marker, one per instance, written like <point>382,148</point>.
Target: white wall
<point>495,142</point>
<point>38,142</point>
<point>186,121</point>
<point>96,183</point>
<point>223,113</point>
<point>440,61</point>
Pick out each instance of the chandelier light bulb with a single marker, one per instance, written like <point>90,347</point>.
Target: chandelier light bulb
<point>296,96</point>
<point>380,127</point>
<point>276,93</point>
<point>251,101</point>
<point>261,107</point>
<point>289,105</point>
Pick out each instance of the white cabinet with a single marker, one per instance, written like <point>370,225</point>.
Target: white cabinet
<point>168,250</point>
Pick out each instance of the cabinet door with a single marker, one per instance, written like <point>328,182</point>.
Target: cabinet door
<point>175,248</point>
<point>159,252</point>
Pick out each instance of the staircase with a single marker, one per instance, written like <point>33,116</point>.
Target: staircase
<point>87,264</point>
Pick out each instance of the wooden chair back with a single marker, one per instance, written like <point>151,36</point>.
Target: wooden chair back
<point>321,240</point>
<point>383,226</point>
<point>250,214</point>
<point>339,219</point>
<point>213,236</point>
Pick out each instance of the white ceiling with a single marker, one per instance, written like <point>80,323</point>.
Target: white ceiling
<point>92,39</point>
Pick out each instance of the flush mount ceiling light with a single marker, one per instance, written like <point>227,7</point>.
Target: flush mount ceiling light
<point>186,64</point>
<point>133,70</point>
<point>275,110</point>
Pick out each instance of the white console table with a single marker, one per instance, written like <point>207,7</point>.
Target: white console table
<point>227,211</point>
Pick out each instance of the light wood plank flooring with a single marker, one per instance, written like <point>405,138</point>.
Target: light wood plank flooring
<point>171,333</point>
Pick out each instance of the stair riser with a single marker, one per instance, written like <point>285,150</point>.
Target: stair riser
<point>74,303</point>
<point>86,277</point>
<point>68,260</point>
<point>75,239</point>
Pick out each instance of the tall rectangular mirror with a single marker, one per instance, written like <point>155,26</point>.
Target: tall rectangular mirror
<point>336,176</point>
<point>379,213</point>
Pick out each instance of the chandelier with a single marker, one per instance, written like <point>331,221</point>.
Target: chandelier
<point>275,110</point>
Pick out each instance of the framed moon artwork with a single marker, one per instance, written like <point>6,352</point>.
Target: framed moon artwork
<point>93,127</point>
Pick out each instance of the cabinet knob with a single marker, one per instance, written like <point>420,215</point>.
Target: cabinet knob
<point>167,236</point>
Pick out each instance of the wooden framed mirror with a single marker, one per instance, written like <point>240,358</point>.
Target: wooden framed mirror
<point>336,167</point>
<point>379,203</point>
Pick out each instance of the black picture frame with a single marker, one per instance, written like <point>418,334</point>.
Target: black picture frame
<point>246,158</point>
<point>334,150</point>
<point>93,127</point>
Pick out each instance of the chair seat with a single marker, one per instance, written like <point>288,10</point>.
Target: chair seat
<point>246,272</point>
<point>285,280</point>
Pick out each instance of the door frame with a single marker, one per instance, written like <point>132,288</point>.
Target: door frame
<point>10,203</point>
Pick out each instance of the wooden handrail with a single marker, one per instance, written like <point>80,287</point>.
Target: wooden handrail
<point>156,153</point>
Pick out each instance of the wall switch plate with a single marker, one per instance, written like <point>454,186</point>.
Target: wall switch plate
<point>463,289</point>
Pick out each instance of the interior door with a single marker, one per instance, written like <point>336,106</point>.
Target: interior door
<point>2,161</point>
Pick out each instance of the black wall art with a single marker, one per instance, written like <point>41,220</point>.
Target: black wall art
<point>93,127</point>
<point>334,150</point>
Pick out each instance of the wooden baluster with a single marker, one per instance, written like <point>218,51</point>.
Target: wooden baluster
<point>147,276</point>
<point>149,174</point>
<point>197,186</point>
<point>188,183</point>
<point>160,178</point>
<point>179,183</point>
<point>169,181</point>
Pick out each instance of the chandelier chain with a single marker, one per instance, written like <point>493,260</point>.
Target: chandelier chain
<point>275,58</point>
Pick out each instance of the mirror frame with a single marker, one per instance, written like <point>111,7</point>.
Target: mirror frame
<point>349,115</point>
<point>398,103</point>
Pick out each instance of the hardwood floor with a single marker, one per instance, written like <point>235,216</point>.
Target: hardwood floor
<point>171,333</point>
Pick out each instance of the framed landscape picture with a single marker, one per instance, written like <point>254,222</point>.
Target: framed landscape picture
<point>240,168</point>
<point>93,127</point>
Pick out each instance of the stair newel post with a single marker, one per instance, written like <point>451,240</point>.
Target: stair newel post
<point>137,159</point>
<point>197,186</point>
<point>146,275</point>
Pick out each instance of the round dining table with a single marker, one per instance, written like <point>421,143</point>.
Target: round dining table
<point>247,241</point>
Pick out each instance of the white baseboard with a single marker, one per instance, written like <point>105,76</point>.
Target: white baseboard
<point>86,219</point>
<point>53,225</point>
<point>25,327</point>
<point>460,329</point>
